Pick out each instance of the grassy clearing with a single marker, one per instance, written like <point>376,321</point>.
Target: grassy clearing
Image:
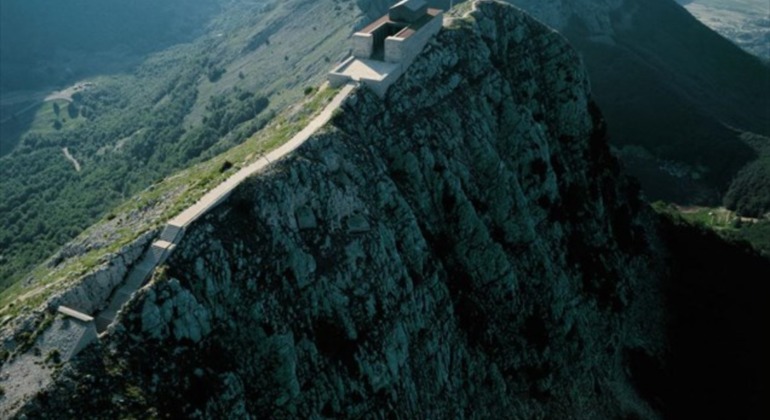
<point>724,222</point>
<point>716,218</point>
<point>54,116</point>
<point>169,196</point>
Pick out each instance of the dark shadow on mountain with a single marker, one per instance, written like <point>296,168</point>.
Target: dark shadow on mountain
<point>14,126</point>
<point>679,90</point>
<point>718,305</point>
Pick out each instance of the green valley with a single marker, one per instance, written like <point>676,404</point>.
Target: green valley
<point>129,129</point>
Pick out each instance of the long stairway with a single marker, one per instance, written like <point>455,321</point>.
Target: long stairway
<point>173,232</point>
<point>152,258</point>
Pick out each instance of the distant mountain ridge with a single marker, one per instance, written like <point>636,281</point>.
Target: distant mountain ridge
<point>745,22</point>
<point>677,96</point>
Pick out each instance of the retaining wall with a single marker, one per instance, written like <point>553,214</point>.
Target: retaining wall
<point>93,290</point>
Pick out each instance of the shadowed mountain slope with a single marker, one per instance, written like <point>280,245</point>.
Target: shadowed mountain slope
<point>677,95</point>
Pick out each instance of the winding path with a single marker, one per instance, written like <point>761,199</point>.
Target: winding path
<point>174,229</point>
<point>71,158</point>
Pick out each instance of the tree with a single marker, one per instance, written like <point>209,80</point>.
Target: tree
<point>72,110</point>
<point>215,73</point>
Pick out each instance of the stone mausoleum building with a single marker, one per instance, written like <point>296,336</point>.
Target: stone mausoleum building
<point>383,50</point>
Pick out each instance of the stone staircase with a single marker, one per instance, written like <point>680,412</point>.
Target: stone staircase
<point>73,331</point>
<point>172,233</point>
<point>155,255</point>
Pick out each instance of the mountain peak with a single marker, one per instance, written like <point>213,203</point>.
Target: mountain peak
<point>446,248</point>
<point>464,245</point>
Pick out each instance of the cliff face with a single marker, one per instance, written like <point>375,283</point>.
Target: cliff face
<point>463,248</point>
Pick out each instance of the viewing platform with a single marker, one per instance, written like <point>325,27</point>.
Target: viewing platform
<point>384,49</point>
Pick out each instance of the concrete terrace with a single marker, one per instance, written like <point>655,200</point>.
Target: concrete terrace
<point>384,49</point>
<point>362,69</point>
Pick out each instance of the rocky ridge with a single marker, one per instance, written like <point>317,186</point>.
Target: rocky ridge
<point>746,23</point>
<point>465,247</point>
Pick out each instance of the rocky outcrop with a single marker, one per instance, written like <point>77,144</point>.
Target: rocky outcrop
<point>35,343</point>
<point>679,98</point>
<point>465,247</point>
<point>171,311</point>
<point>91,292</point>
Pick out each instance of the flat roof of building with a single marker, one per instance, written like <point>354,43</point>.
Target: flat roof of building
<point>416,26</point>
<point>407,30</point>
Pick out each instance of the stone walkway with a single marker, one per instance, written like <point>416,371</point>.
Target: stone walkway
<point>174,230</point>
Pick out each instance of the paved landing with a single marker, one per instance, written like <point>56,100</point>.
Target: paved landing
<point>360,68</point>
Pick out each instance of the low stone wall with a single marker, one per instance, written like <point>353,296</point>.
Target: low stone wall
<point>336,77</point>
<point>394,49</point>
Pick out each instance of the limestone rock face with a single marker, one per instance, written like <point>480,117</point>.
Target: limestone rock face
<point>464,247</point>
<point>86,295</point>
<point>170,310</point>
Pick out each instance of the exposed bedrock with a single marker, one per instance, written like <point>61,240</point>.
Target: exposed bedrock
<point>465,247</point>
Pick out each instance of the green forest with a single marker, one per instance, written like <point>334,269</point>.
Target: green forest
<point>177,104</point>
<point>749,193</point>
<point>46,43</point>
<point>750,232</point>
<point>53,202</point>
